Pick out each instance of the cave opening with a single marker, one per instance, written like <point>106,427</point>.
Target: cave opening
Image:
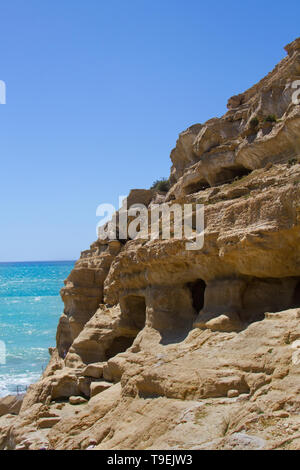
<point>134,309</point>
<point>269,295</point>
<point>196,187</point>
<point>296,297</point>
<point>197,289</point>
<point>120,344</point>
<point>228,175</point>
<point>134,319</point>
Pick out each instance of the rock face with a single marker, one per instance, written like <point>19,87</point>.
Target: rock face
<point>245,138</point>
<point>10,405</point>
<point>161,347</point>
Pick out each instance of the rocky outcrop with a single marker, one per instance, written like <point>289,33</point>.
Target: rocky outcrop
<point>10,404</point>
<point>161,347</point>
<point>83,291</point>
<point>261,126</point>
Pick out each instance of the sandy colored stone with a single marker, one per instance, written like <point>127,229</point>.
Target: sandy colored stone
<point>77,400</point>
<point>48,422</point>
<point>99,387</point>
<point>93,370</point>
<point>233,393</point>
<point>197,349</point>
<point>10,404</point>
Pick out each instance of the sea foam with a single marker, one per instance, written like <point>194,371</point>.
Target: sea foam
<point>30,307</point>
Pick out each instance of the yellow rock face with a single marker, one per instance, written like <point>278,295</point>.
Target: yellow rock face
<point>178,349</point>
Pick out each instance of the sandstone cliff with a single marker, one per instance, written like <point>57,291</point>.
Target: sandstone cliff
<point>160,347</point>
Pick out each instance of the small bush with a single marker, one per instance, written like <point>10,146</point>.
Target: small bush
<point>254,122</point>
<point>292,161</point>
<point>271,118</point>
<point>162,184</point>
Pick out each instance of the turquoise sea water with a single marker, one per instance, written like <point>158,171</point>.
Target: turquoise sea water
<point>30,307</point>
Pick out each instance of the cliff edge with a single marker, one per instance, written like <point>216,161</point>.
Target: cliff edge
<point>165,348</point>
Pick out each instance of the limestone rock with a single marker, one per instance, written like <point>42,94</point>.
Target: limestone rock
<point>99,387</point>
<point>77,400</point>
<point>45,423</point>
<point>94,370</point>
<point>233,393</point>
<point>179,349</point>
<point>10,404</point>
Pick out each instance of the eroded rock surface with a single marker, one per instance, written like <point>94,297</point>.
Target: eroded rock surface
<point>160,347</point>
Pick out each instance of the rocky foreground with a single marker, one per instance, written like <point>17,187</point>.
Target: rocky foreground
<point>163,348</point>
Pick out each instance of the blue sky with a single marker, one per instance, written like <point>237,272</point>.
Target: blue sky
<point>97,92</point>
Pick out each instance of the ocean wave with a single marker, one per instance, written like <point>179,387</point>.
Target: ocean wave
<point>11,384</point>
<point>30,307</point>
<point>14,356</point>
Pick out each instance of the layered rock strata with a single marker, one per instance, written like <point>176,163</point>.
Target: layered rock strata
<point>162,347</point>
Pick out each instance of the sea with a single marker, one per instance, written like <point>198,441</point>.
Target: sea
<point>30,307</point>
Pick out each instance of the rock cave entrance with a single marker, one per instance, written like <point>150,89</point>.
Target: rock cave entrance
<point>134,309</point>
<point>120,344</point>
<point>296,297</point>
<point>269,295</point>
<point>230,174</point>
<point>196,187</point>
<point>197,289</point>
<point>134,317</point>
<point>225,175</point>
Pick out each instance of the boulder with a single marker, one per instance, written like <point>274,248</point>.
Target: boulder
<point>10,404</point>
<point>45,423</point>
<point>94,370</point>
<point>77,400</point>
<point>98,387</point>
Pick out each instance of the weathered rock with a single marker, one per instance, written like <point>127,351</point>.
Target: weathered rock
<point>221,149</point>
<point>10,404</point>
<point>197,349</point>
<point>83,292</point>
<point>77,400</point>
<point>94,370</point>
<point>233,393</point>
<point>45,423</point>
<point>99,387</point>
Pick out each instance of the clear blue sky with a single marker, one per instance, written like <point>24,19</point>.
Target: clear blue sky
<point>97,92</point>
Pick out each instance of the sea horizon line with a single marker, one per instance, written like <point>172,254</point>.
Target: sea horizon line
<point>40,261</point>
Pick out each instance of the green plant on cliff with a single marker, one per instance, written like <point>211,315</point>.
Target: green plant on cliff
<point>254,122</point>
<point>292,161</point>
<point>162,184</point>
<point>271,118</point>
